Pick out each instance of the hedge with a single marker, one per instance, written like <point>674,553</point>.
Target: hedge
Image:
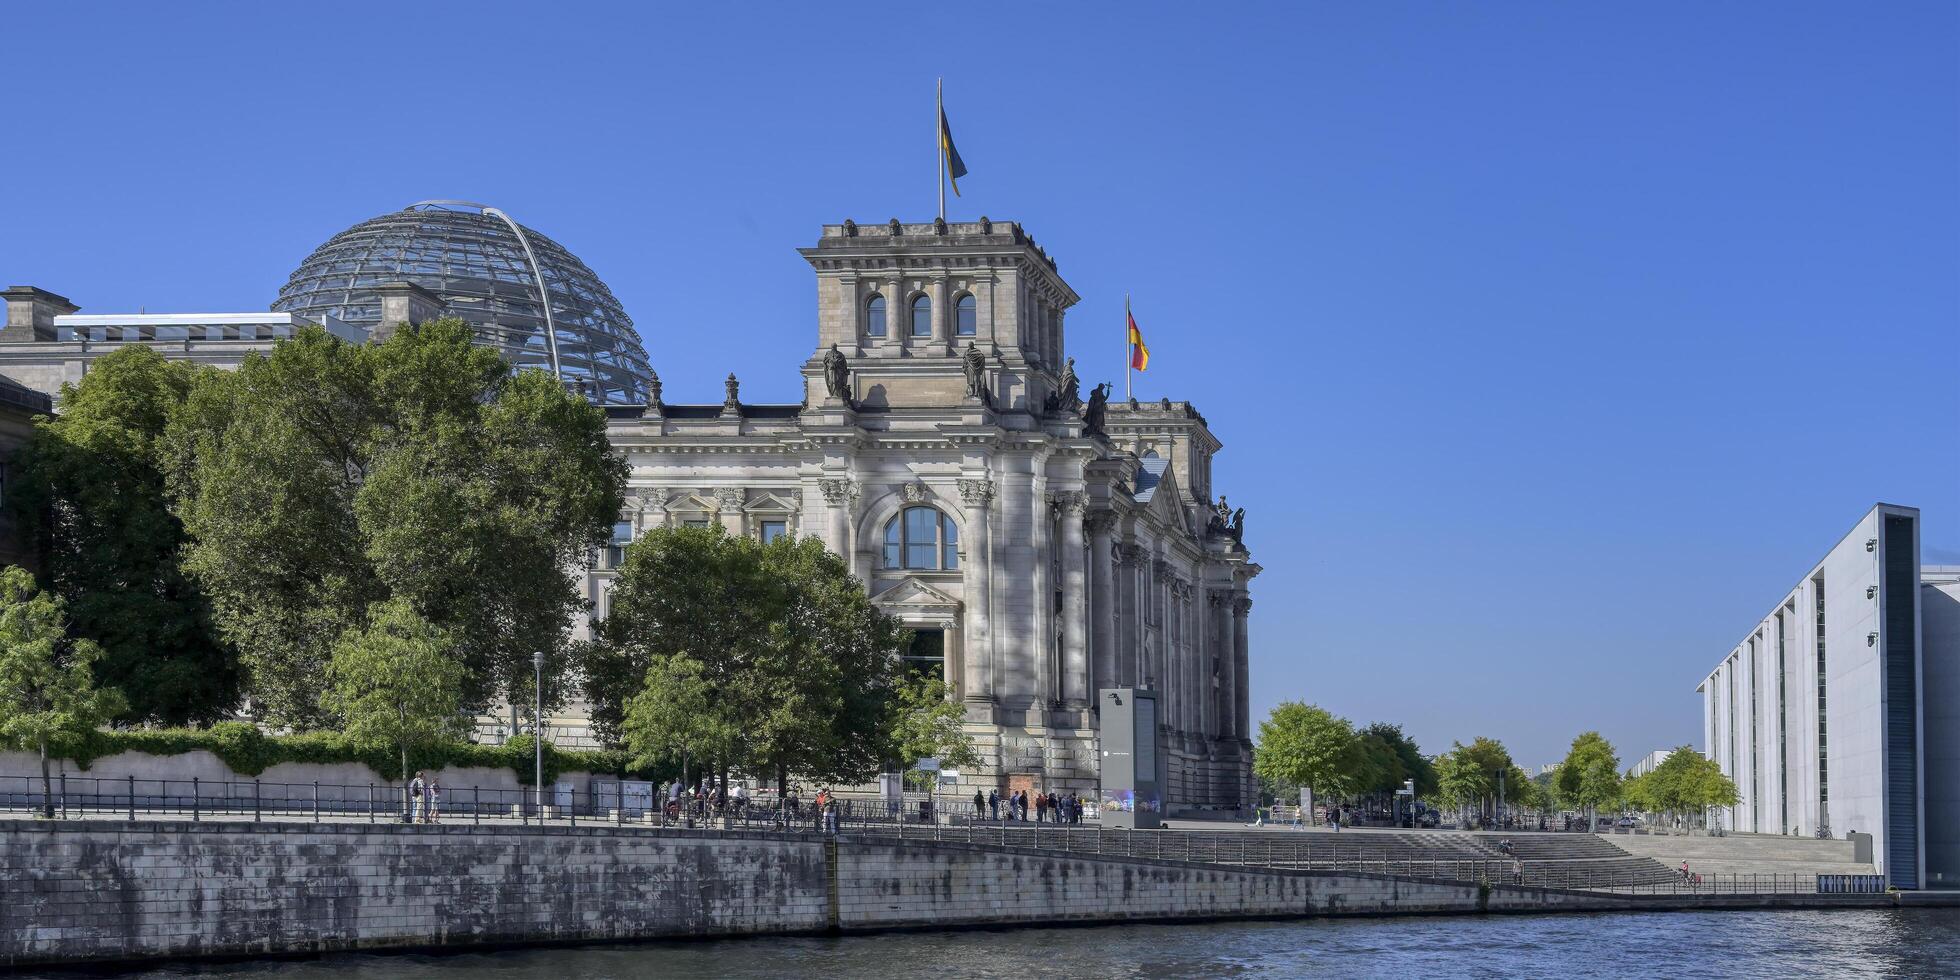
<point>249,752</point>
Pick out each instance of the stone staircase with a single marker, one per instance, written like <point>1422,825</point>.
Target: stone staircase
<point>1743,854</point>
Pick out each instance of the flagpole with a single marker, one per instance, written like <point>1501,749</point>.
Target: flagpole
<point>939,141</point>
<point>1129,353</point>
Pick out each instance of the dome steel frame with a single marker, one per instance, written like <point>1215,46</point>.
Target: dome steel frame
<point>521,292</point>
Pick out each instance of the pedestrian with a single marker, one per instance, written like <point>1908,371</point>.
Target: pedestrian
<point>993,802</point>
<point>415,798</point>
<point>830,816</point>
<point>1040,808</point>
<point>434,792</point>
<point>1684,870</point>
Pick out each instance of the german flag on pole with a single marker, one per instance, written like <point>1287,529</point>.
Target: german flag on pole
<point>1139,354</point>
<point>955,167</point>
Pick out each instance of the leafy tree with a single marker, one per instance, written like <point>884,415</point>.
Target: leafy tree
<point>1460,780</point>
<point>1307,745</point>
<point>1589,778</point>
<point>1414,765</point>
<point>47,686</point>
<point>328,477</point>
<point>926,724</point>
<point>785,645</point>
<point>675,716</point>
<point>1478,773</point>
<point>90,495</point>
<point>394,682</point>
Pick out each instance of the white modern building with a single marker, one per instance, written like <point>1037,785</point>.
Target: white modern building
<point>1648,763</point>
<point>1816,713</point>
<point>1939,631</point>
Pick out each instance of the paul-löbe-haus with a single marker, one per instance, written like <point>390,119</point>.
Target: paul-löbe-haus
<point>1044,540</point>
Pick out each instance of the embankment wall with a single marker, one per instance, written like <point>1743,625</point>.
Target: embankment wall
<point>80,891</point>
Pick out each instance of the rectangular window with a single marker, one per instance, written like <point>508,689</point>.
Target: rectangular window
<point>1823,730</point>
<point>622,535</point>
<point>771,530</point>
<point>702,522</point>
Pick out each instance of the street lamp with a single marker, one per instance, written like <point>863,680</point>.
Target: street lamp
<point>537,727</point>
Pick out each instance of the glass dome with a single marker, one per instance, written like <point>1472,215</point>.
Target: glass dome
<point>476,260</point>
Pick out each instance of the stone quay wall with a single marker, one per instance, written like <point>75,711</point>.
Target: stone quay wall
<point>94,891</point>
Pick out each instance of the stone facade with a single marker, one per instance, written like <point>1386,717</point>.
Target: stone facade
<point>1049,548</point>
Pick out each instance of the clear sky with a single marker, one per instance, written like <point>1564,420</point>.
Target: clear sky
<point>1548,343</point>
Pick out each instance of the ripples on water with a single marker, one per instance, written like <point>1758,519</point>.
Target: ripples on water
<point>1891,943</point>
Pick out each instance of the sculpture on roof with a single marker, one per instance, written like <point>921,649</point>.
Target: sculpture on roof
<point>837,374</point>
<point>975,364</point>
<point>1238,526</point>
<point>1071,394</point>
<point>1092,416</point>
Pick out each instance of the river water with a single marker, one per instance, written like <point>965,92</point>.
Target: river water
<point>1777,945</point>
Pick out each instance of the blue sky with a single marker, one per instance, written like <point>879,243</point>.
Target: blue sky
<point>1549,343</point>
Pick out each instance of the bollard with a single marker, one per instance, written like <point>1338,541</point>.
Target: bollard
<point>316,801</point>
<point>370,803</point>
<point>132,797</point>
<point>64,796</point>
<point>257,809</point>
<point>194,796</point>
<point>476,805</point>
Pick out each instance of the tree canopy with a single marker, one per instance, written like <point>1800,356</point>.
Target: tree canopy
<point>1686,782</point>
<point>89,495</point>
<point>328,477</point>
<point>393,682</point>
<point>783,662</point>
<point>1589,778</point>
<point>47,684</point>
<point>1307,745</point>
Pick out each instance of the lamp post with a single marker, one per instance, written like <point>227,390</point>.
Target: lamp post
<point>537,727</point>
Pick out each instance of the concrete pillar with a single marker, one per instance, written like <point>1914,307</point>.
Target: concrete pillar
<point>1045,679</point>
<point>733,518</point>
<point>406,302</point>
<point>838,493</point>
<point>31,312</point>
<point>1242,680</point>
<point>1075,658</point>
<point>1102,606</point>
<point>1228,676</point>
<point>975,570</point>
<point>942,317</point>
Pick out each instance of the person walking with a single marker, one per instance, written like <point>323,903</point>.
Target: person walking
<point>415,789</point>
<point>979,805</point>
<point>993,802</point>
<point>434,793</point>
<point>1041,808</point>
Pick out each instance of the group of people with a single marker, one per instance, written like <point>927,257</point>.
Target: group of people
<point>704,797</point>
<point>1047,807</point>
<point>424,798</point>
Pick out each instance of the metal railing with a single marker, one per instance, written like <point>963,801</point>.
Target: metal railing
<point>132,798</point>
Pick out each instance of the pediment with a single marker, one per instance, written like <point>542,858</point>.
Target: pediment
<point>914,594</point>
<point>772,500</point>
<point>1168,503</point>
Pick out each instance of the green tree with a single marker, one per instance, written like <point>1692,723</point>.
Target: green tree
<point>675,717</point>
<point>1307,745</point>
<point>788,646</point>
<point>47,684</point>
<point>90,496</point>
<point>1589,778</point>
<point>1414,764</point>
<point>925,724</point>
<point>394,683</point>
<point>1460,780</point>
<point>328,476</point>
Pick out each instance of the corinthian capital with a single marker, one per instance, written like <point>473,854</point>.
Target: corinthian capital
<point>976,493</point>
<point>730,498</point>
<point>838,492</point>
<point>1242,606</point>
<point>1070,502</point>
<point>1101,521</point>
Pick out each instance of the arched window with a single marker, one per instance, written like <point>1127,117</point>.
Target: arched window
<point>922,538</point>
<point>921,317</point>
<point>966,319</point>
<point>874,316</point>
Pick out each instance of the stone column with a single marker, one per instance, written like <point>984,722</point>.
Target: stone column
<point>733,518</point>
<point>1043,680</point>
<point>1242,679</point>
<point>975,571</point>
<point>838,494</point>
<point>942,318</point>
<point>1226,649</point>
<point>1075,656</point>
<point>898,315</point>
<point>1102,632</point>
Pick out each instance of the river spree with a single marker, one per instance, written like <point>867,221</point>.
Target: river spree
<point>1891,943</point>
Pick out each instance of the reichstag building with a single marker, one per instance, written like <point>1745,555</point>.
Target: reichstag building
<point>1044,542</point>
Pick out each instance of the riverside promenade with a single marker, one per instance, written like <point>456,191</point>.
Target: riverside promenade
<point>97,890</point>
